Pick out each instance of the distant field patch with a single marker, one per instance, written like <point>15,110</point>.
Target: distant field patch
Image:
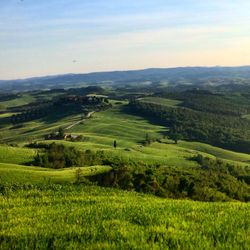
<point>22,100</point>
<point>161,101</point>
<point>5,115</point>
<point>216,151</point>
<point>114,124</point>
<point>246,117</point>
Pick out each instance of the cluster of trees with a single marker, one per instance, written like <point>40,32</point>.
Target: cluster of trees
<point>231,105</point>
<point>212,181</point>
<point>241,173</point>
<point>149,139</point>
<point>59,156</point>
<point>86,90</point>
<point>37,105</point>
<point>8,97</point>
<point>225,131</point>
<point>56,135</point>
<point>68,105</point>
<point>224,102</point>
<point>29,115</point>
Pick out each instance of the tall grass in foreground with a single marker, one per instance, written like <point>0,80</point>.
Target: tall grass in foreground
<point>76,217</point>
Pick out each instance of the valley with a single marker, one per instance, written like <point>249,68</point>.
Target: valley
<point>69,151</point>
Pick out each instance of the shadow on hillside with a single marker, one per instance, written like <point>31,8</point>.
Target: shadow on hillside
<point>152,120</point>
<point>4,121</point>
<point>50,119</point>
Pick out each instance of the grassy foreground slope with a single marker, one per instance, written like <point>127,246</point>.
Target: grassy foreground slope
<point>75,217</point>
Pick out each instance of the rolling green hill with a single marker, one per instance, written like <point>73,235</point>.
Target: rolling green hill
<point>37,203</point>
<point>130,131</point>
<point>161,154</point>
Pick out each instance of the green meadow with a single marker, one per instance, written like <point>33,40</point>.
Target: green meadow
<point>44,208</point>
<point>102,129</point>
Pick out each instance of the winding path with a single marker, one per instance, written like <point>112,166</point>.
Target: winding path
<point>76,123</point>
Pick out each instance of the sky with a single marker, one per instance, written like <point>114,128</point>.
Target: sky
<point>49,37</point>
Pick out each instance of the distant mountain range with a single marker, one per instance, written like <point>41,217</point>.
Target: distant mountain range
<point>181,75</point>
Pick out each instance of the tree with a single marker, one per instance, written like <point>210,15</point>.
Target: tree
<point>60,133</point>
<point>175,135</point>
<point>147,140</point>
<point>78,175</point>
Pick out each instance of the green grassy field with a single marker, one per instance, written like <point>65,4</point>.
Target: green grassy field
<point>37,213</point>
<point>5,115</point>
<point>16,155</point>
<point>217,152</point>
<point>68,217</point>
<point>34,130</point>
<point>128,130</point>
<point>161,101</point>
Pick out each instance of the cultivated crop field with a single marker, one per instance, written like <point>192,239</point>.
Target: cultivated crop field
<point>69,217</point>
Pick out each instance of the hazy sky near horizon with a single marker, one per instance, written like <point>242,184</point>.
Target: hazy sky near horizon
<point>75,36</point>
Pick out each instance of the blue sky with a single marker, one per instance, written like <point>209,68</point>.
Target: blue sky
<point>72,36</point>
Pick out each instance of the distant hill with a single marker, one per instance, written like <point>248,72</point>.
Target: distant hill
<point>181,75</point>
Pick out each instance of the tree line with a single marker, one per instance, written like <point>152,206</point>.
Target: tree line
<point>225,131</point>
<point>213,180</point>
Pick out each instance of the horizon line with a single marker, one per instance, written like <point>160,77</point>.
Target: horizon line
<point>118,70</point>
